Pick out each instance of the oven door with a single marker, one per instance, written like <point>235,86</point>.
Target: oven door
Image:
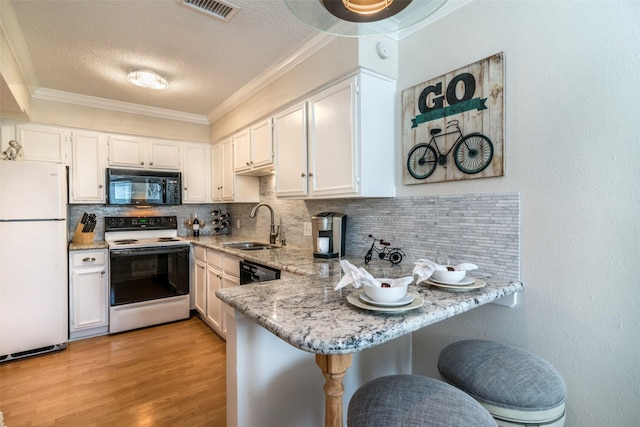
<point>145,274</point>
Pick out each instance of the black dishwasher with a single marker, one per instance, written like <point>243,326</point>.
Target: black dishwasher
<point>251,272</point>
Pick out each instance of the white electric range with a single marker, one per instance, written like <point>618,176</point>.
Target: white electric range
<point>149,272</point>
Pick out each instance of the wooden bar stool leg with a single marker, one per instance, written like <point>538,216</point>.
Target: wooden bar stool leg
<point>333,367</point>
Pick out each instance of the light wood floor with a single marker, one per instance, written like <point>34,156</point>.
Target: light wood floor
<point>167,375</point>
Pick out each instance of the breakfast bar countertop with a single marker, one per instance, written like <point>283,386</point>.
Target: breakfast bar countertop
<point>306,311</point>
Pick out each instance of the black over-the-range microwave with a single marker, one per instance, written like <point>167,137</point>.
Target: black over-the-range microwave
<point>142,188</point>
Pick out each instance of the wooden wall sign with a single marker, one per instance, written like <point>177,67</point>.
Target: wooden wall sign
<point>453,125</point>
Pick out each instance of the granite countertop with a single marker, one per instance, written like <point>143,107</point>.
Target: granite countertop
<point>305,310</point>
<point>295,260</point>
<point>97,244</point>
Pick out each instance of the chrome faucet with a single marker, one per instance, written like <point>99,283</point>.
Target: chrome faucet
<point>273,232</point>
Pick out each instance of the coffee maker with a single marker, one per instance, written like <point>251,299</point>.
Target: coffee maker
<point>331,225</point>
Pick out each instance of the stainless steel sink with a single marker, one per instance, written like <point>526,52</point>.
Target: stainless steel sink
<point>249,246</point>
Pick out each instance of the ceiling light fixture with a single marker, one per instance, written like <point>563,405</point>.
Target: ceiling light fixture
<point>355,18</point>
<point>148,79</point>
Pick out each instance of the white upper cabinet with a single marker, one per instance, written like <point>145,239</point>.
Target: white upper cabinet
<point>225,184</point>
<point>164,155</point>
<point>333,144</point>
<point>216,172</point>
<point>290,140</point>
<point>44,143</point>
<point>196,173</point>
<point>349,141</point>
<point>242,151</point>
<point>253,147</point>
<point>142,153</point>
<point>262,146</point>
<point>127,151</point>
<point>87,172</point>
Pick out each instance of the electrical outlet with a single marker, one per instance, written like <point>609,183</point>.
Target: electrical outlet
<point>306,229</point>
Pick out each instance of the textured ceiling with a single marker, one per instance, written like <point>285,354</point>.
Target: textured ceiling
<point>87,47</point>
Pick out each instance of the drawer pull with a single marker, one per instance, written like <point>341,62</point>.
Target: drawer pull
<point>88,259</point>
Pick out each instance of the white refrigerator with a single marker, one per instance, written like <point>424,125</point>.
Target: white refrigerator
<point>34,299</point>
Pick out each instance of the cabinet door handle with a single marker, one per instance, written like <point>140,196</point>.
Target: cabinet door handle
<point>102,272</point>
<point>310,175</point>
<point>100,186</point>
<point>303,175</point>
<point>141,163</point>
<point>248,164</point>
<point>88,259</point>
<point>150,163</point>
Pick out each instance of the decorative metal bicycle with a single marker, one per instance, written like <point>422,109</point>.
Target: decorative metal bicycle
<point>394,255</point>
<point>472,153</point>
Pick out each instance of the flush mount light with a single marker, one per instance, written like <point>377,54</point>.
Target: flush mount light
<point>147,79</point>
<point>364,10</point>
<point>356,18</point>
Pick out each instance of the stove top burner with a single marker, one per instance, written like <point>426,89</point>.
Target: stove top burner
<point>142,232</point>
<point>125,241</point>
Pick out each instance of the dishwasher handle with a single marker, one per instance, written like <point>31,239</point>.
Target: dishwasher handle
<point>251,272</point>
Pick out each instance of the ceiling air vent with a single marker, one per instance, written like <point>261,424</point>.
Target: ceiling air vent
<point>216,8</point>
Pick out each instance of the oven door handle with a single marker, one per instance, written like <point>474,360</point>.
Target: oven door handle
<point>149,251</point>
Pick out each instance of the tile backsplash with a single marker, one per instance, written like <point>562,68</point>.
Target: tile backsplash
<point>183,212</point>
<point>479,228</point>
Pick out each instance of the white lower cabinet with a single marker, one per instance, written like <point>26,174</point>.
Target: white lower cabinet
<point>88,294</point>
<point>213,270</point>
<point>200,284</point>
<point>213,312</point>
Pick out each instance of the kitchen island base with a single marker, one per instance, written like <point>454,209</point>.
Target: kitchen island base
<point>272,383</point>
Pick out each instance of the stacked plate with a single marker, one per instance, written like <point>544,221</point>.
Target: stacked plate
<point>465,284</point>
<point>409,302</point>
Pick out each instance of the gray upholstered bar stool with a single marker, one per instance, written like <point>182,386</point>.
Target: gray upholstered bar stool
<point>517,387</point>
<point>414,401</point>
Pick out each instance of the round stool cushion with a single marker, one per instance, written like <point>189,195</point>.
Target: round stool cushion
<point>511,383</point>
<point>412,400</point>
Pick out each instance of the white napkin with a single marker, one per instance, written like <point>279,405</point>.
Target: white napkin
<point>357,277</point>
<point>424,268</point>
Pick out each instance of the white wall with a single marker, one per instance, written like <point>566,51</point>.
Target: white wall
<point>572,151</point>
<point>335,59</point>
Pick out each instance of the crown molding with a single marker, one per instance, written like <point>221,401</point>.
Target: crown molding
<point>278,69</point>
<point>123,107</point>
<point>312,45</point>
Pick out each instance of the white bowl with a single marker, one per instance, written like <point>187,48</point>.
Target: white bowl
<point>391,294</point>
<point>449,276</point>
